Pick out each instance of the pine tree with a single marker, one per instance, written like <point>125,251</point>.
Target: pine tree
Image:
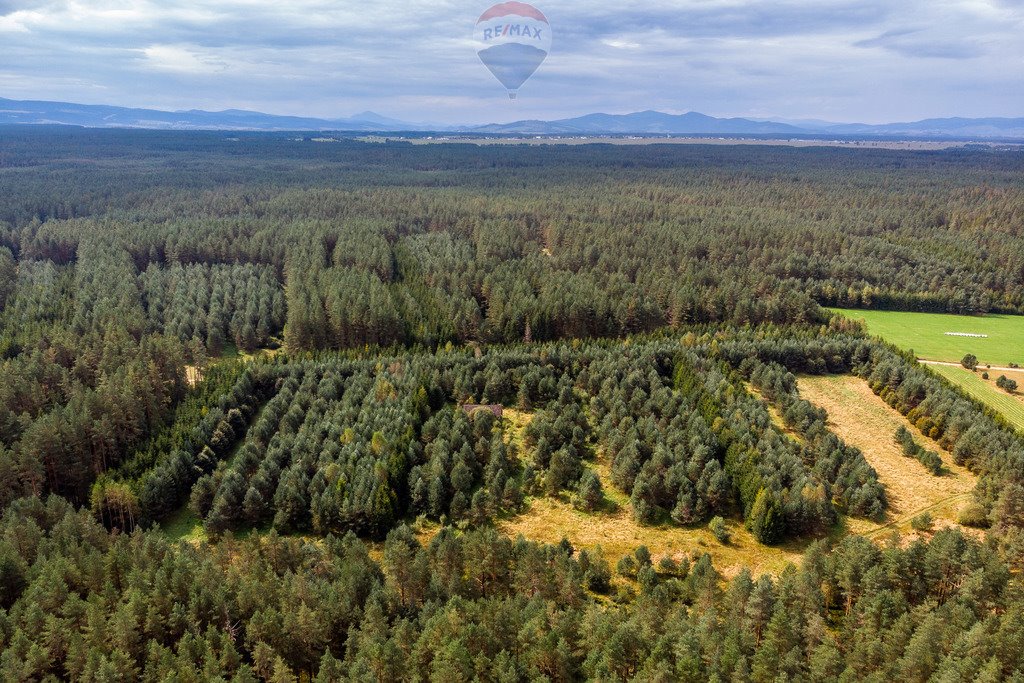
<point>589,495</point>
<point>766,522</point>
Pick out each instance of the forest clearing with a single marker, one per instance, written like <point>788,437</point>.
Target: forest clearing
<point>864,420</point>
<point>927,334</point>
<point>612,528</point>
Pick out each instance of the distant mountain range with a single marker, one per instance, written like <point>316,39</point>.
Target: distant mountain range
<point>693,123</point>
<point>648,122</point>
<point>641,123</point>
<point>103,116</point>
<point>953,127</point>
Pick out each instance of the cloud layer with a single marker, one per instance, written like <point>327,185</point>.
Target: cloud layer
<point>867,60</point>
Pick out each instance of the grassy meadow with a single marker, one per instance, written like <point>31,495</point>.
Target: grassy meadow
<point>864,420</point>
<point>986,391</point>
<point>925,333</point>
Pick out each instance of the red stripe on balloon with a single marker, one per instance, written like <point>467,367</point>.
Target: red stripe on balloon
<point>519,8</point>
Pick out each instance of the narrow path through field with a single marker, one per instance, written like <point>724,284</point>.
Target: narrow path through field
<point>864,420</point>
<point>981,368</point>
<point>954,501</point>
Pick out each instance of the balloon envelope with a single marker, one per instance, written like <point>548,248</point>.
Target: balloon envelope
<point>513,39</point>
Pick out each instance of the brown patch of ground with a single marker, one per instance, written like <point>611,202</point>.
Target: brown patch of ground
<point>864,420</point>
<point>1010,373</point>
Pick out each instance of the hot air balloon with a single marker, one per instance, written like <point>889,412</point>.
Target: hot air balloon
<point>513,39</point>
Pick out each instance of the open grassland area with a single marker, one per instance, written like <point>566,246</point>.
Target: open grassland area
<point>864,420</point>
<point>613,527</point>
<point>1009,406</point>
<point>184,525</point>
<point>514,422</point>
<point>925,333</point>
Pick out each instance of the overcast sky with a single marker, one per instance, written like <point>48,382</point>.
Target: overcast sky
<point>870,61</point>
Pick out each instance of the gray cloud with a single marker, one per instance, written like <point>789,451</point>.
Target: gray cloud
<point>747,19</point>
<point>11,6</point>
<point>916,43</point>
<point>867,60</point>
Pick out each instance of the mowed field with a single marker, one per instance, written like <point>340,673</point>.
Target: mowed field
<point>925,333</point>
<point>986,391</point>
<point>864,420</point>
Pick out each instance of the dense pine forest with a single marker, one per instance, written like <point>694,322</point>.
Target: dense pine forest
<point>282,339</point>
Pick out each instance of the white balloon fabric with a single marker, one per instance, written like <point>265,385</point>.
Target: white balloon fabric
<point>513,40</point>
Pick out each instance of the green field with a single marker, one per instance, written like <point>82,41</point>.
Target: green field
<point>925,333</point>
<point>1010,407</point>
<point>184,525</point>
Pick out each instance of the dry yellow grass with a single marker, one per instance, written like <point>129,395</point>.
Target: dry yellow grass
<point>864,420</point>
<point>774,413</point>
<point>193,375</point>
<point>549,521</point>
<point>514,422</point>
